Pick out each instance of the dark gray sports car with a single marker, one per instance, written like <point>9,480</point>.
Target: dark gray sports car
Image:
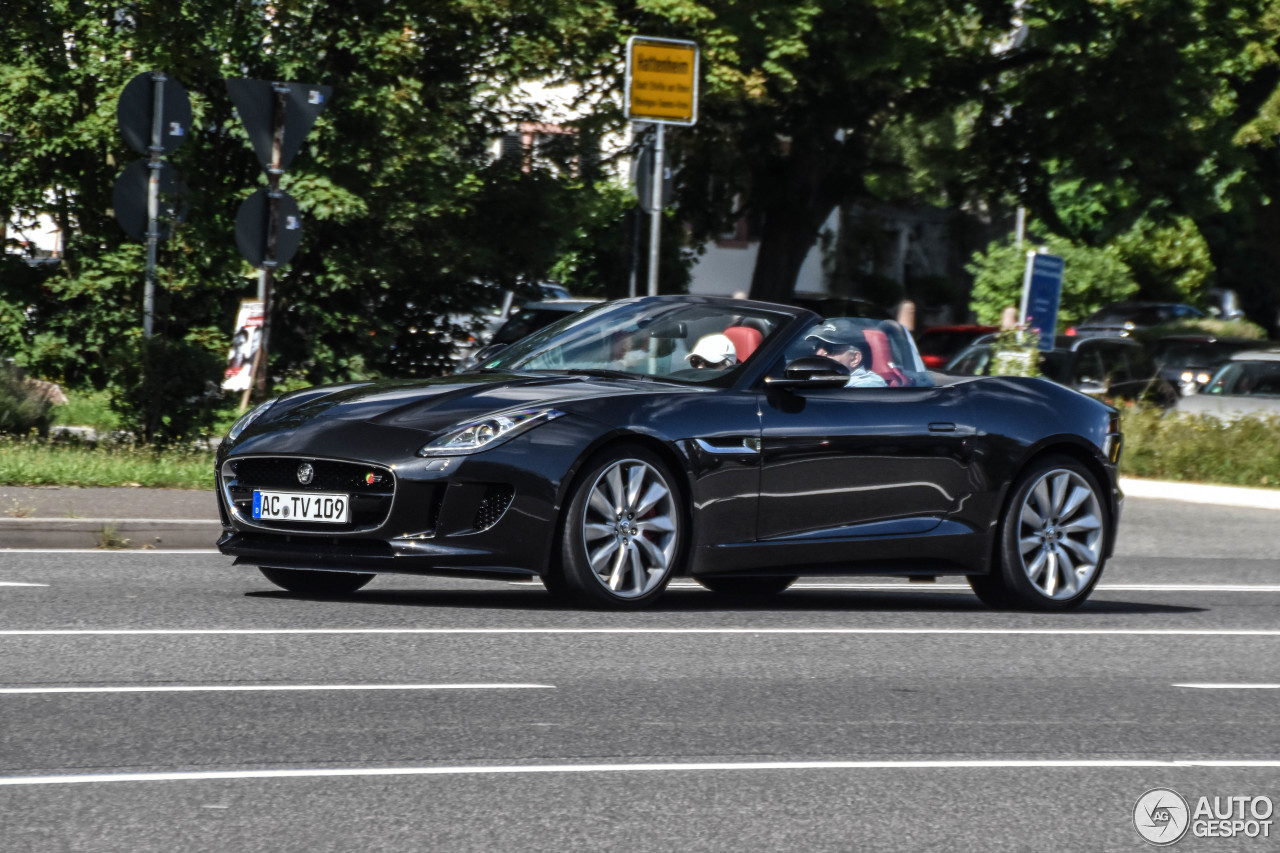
<point>739,443</point>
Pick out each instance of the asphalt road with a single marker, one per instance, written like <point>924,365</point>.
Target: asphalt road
<point>429,714</point>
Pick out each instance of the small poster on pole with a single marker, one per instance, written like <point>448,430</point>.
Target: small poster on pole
<point>244,346</point>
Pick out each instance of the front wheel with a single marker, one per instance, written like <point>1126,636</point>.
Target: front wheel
<point>622,534</point>
<point>305,582</point>
<point>1052,539</point>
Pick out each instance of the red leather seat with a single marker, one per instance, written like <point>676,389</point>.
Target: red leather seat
<point>882,359</point>
<point>745,340</point>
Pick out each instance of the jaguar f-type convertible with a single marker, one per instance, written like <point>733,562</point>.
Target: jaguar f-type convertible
<point>739,443</point>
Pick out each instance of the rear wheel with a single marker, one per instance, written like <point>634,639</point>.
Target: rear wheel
<point>623,532</point>
<point>1052,539</point>
<point>748,585</point>
<point>306,582</point>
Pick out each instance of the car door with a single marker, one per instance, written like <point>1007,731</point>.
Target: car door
<point>842,464</point>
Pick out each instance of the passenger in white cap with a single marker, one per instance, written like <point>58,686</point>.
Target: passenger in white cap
<point>713,351</point>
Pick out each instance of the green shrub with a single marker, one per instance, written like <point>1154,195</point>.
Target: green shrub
<point>22,407</point>
<point>1202,449</point>
<point>165,390</point>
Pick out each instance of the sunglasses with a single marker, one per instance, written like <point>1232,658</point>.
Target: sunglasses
<point>834,349</point>
<point>700,362</point>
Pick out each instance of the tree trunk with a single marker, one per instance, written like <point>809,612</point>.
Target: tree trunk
<point>790,221</point>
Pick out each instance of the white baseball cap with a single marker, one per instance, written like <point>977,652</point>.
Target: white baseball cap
<point>715,349</point>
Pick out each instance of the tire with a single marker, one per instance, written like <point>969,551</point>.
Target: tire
<point>306,582</point>
<point>1052,539</point>
<point>748,585</point>
<point>622,535</point>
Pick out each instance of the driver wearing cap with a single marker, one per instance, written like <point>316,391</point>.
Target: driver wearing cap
<point>841,340</point>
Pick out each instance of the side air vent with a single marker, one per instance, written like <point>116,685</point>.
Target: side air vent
<point>494,503</point>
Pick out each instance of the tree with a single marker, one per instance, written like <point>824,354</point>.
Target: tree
<point>1091,278</point>
<point>406,210</point>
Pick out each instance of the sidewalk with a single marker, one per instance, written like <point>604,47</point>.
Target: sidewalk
<point>58,517</point>
<point>182,519</point>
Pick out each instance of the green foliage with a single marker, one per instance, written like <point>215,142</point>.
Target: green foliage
<point>22,408</point>
<point>33,462</point>
<point>1207,326</point>
<point>1202,449</point>
<point>1091,278</point>
<point>1171,262</point>
<point>1015,353</point>
<point>161,391</point>
<point>88,408</point>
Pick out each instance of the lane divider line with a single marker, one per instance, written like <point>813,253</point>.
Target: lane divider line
<point>1231,686</point>
<point>1062,632</point>
<point>257,688</point>
<point>667,767</point>
<point>964,587</point>
<point>16,583</point>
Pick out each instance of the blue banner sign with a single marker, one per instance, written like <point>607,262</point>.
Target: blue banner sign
<point>1041,290</point>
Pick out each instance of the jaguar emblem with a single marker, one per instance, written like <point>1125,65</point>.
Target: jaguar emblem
<point>306,473</point>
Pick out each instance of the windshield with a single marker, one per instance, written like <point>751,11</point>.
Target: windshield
<point>687,341</point>
<point>1247,378</point>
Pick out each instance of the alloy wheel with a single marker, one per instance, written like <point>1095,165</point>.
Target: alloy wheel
<point>629,528</point>
<point>1060,534</point>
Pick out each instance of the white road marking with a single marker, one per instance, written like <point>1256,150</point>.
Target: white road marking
<point>1231,686</point>
<point>668,767</point>
<point>16,583</point>
<point>906,586</point>
<point>1064,632</point>
<point>255,688</point>
<point>170,551</point>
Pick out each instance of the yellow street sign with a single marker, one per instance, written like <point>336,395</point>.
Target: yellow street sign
<point>662,80</point>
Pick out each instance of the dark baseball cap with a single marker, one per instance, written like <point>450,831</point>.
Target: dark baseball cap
<point>841,330</point>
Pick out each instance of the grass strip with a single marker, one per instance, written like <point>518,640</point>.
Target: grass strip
<point>29,462</point>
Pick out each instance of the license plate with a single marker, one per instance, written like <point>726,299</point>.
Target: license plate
<point>301,506</point>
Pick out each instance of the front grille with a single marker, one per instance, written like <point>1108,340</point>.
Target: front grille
<point>371,489</point>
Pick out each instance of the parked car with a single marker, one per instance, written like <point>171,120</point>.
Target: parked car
<point>1188,362</point>
<point>526,320</point>
<point>826,305</point>
<point>939,344</point>
<point>1116,368</point>
<point>494,307</point>
<point>595,455</point>
<point>1248,384</point>
<point>1123,318</point>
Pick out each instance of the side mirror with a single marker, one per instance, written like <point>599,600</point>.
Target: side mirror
<point>485,353</point>
<point>1092,387</point>
<point>812,371</point>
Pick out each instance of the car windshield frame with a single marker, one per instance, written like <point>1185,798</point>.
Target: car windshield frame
<point>647,338</point>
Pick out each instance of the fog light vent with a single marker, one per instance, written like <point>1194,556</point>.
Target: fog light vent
<point>494,503</point>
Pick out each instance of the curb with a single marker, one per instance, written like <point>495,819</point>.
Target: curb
<point>1238,496</point>
<point>110,533</point>
<point>185,534</point>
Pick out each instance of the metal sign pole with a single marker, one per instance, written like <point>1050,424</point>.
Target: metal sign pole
<point>274,171</point>
<point>154,164</point>
<point>655,223</point>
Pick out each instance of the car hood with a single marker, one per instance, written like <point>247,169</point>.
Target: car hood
<point>422,408</point>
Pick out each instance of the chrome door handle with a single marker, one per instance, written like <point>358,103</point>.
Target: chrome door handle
<point>736,447</point>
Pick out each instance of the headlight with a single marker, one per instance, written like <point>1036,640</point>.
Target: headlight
<point>1203,378</point>
<point>1186,377</point>
<point>248,418</point>
<point>483,433</point>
